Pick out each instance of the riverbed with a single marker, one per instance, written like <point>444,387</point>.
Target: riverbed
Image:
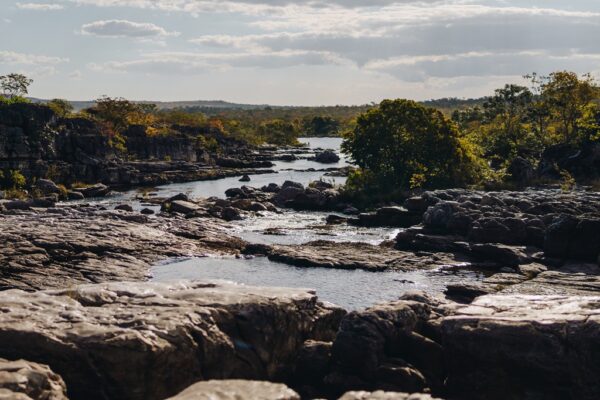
<point>351,289</point>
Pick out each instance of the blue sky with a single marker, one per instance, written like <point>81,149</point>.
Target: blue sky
<point>305,52</point>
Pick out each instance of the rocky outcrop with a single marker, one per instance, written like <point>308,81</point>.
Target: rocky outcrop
<point>237,389</point>
<point>564,225</point>
<point>60,247</point>
<point>36,142</point>
<point>582,162</point>
<point>498,347</point>
<point>150,341</point>
<point>326,254</point>
<point>24,380</point>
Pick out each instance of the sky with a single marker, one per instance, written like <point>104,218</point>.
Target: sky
<point>292,52</point>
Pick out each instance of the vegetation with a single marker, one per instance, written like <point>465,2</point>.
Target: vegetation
<point>402,145</point>
<point>14,85</point>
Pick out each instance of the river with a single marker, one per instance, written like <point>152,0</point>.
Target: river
<point>351,289</point>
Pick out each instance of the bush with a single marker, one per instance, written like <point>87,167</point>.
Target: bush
<point>402,144</point>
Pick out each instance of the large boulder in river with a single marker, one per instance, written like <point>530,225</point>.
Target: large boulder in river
<point>150,341</point>
<point>47,187</point>
<point>327,157</point>
<point>24,380</point>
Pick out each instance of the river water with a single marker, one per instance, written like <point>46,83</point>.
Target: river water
<point>352,290</point>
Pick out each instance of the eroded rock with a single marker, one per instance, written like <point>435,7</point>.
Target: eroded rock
<point>237,389</point>
<point>149,341</point>
<point>24,380</point>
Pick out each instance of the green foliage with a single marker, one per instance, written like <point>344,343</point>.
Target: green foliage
<point>62,108</point>
<point>13,100</point>
<point>14,85</point>
<point>321,126</point>
<point>12,179</point>
<point>402,144</point>
<point>279,132</point>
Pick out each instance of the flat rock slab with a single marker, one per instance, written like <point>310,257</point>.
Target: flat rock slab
<point>236,390</point>
<point>57,248</point>
<point>149,341</point>
<point>24,380</point>
<point>498,347</point>
<point>326,254</point>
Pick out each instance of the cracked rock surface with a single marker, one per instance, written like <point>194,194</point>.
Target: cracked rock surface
<point>24,380</point>
<point>65,246</point>
<point>149,341</point>
<point>498,347</point>
<point>237,389</point>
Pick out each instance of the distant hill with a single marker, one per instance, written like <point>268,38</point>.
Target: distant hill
<point>213,107</point>
<point>166,105</point>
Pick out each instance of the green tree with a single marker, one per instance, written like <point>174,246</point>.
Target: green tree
<point>403,144</point>
<point>62,108</point>
<point>116,112</point>
<point>14,85</point>
<point>279,132</point>
<point>321,126</point>
<point>568,95</point>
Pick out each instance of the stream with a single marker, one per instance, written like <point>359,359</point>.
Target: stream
<point>351,289</point>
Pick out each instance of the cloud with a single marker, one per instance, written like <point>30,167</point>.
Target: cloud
<point>194,63</point>
<point>39,6</point>
<point>14,58</point>
<point>115,28</point>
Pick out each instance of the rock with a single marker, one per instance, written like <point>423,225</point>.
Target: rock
<point>381,395</point>
<point>147,211</point>
<point>24,380</point>
<point>235,192</point>
<point>271,188</point>
<point>321,185</point>
<point>572,237</point>
<point>235,390</point>
<point>125,340</point>
<point>56,248</point>
<point>73,195</point>
<point>231,214</point>
<point>325,254</point>
<point>17,205</point>
<point>336,219</point>
<point>257,207</point>
<point>389,216</point>
<point>124,207</point>
<point>245,178</point>
<point>184,207</point>
<point>327,157</point>
<point>521,171</point>
<point>417,204</point>
<point>97,190</point>
<point>288,184</point>
<point>178,197</point>
<point>286,194</point>
<point>46,187</point>
<point>497,347</point>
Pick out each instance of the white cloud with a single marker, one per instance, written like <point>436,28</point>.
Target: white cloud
<point>39,6</point>
<point>122,28</point>
<point>14,58</point>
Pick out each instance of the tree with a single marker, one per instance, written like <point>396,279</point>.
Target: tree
<point>568,95</point>
<point>402,144</point>
<point>320,126</point>
<point>116,112</point>
<point>62,108</point>
<point>278,132</point>
<point>14,85</point>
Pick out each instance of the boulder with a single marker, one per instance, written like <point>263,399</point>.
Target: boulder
<point>124,207</point>
<point>46,187</point>
<point>327,157</point>
<point>231,214</point>
<point>73,195</point>
<point>147,211</point>
<point>97,190</point>
<point>24,380</point>
<point>184,207</point>
<point>150,341</point>
<point>236,390</point>
<point>245,178</point>
<point>521,171</point>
